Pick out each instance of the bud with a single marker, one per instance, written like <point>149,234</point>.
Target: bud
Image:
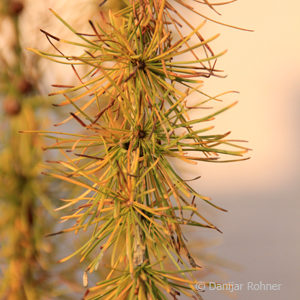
<point>11,106</point>
<point>24,86</point>
<point>15,7</point>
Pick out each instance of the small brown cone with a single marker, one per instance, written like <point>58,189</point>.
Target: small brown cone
<point>15,7</point>
<point>24,86</point>
<point>11,106</point>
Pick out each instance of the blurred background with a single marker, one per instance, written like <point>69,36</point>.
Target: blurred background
<point>260,240</point>
<point>261,229</point>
